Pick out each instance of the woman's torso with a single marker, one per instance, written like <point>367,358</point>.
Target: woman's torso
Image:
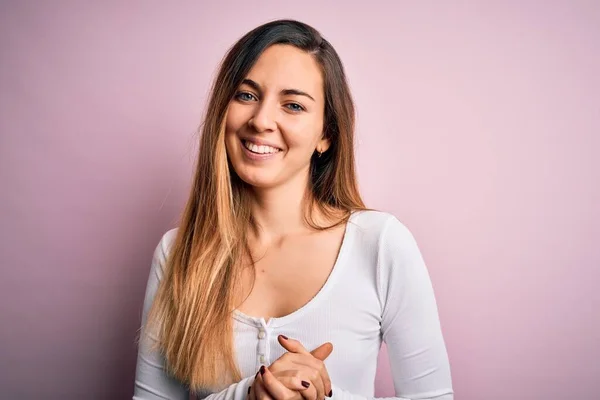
<point>327,292</point>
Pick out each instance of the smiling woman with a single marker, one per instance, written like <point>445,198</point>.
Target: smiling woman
<point>277,116</point>
<point>277,262</point>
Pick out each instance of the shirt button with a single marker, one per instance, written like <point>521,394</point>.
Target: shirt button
<point>261,334</point>
<point>262,359</point>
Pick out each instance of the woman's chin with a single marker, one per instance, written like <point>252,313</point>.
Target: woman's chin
<point>257,181</point>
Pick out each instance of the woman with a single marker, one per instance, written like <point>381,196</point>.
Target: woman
<point>279,283</point>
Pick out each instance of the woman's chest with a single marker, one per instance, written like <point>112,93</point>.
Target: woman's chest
<point>346,314</point>
<point>288,275</point>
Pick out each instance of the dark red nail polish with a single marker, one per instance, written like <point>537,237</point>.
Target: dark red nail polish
<point>284,337</point>
<point>305,384</point>
<point>330,393</point>
<point>262,369</point>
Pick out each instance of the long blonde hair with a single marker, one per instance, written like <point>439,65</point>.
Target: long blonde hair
<point>193,304</point>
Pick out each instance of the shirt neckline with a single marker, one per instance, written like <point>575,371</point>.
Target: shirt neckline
<point>286,319</point>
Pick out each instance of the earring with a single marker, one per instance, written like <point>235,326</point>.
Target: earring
<point>320,153</point>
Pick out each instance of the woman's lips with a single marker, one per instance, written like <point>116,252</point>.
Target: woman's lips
<point>256,156</point>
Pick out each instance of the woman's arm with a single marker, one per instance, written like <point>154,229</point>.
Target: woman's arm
<point>151,380</point>
<point>410,322</point>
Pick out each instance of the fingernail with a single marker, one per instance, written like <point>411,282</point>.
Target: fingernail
<point>262,369</point>
<point>305,384</point>
<point>330,393</point>
<point>284,337</point>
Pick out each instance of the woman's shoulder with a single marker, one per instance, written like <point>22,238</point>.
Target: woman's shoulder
<point>381,228</point>
<point>162,250</point>
<point>375,222</point>
<point>167,240</point>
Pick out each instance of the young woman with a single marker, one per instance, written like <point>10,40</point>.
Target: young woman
<point>279,283</point>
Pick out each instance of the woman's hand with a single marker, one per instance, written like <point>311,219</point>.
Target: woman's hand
<point>285,385</point>
<point>310,364</point>
<point>298,371</point>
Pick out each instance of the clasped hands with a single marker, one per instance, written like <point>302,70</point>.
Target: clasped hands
<point>297,375</point>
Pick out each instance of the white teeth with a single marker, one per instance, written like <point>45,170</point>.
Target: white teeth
<point>259,149</point>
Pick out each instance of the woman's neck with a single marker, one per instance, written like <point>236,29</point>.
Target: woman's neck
<point>279,211</point>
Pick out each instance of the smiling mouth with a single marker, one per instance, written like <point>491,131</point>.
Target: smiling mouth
<point>259,149</point>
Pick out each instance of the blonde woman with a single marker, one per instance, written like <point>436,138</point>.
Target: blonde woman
<point>279,283</point>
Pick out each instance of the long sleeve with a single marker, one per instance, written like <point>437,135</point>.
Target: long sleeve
<point>410,322</point>
<point>151,380</point>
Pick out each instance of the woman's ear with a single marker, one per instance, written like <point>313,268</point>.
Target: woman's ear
<point>323,144</point>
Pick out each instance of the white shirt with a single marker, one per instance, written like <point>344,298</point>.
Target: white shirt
<point>379,289</point>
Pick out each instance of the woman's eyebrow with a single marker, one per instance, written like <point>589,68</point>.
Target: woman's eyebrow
<point>252,84</point>
<point>285,92</point>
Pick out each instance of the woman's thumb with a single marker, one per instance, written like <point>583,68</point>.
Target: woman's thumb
<point>323,351</point>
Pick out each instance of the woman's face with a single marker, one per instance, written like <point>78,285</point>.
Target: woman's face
<point>275,120</point>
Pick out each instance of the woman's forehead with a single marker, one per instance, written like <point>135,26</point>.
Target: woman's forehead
<point>282,67</point>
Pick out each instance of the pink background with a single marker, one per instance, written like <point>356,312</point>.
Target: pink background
<point>478,126</point>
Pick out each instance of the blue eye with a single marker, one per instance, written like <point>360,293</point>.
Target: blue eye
<point>245,96</point>
<point>295,107</point>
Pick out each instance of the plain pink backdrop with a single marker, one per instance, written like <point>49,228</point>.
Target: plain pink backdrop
<point>478,127</point>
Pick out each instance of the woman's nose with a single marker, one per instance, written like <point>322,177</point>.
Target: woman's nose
<point>264,118</point>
